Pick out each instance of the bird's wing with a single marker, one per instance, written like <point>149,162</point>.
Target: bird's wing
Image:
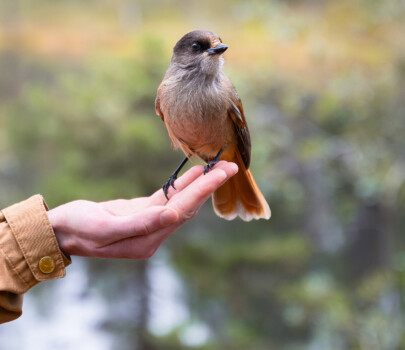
<point>235,112</point>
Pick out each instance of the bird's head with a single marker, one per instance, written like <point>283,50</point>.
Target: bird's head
<point>200,49</point>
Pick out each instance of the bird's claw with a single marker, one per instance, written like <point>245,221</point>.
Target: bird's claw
<point>166,186</point>
<point>209,166</point>
<point>212,162</point>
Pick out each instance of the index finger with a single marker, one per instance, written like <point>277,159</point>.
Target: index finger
<point>189,200</point>
<point>158,198</point>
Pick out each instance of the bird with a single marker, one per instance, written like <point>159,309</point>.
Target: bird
<point>204,117</point>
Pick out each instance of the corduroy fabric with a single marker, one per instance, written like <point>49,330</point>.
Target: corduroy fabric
<point>26,236</point>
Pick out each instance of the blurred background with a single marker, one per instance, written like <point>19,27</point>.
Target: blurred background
<point>323,87</point>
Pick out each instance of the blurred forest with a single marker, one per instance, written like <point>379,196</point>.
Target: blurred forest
<point>323,87</point>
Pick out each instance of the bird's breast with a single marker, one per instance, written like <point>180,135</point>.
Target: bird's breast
<point>196,115</point>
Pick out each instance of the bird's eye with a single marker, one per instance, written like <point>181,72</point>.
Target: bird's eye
<point>196,46</point>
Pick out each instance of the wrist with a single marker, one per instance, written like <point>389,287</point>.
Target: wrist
<point>56,220</point>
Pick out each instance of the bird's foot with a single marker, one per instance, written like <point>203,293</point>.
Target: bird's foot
<point>210,165</point>
<point>170,182</point>
<point>212,162</point>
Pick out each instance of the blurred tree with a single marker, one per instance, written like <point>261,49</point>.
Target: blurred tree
<point>323,88</point>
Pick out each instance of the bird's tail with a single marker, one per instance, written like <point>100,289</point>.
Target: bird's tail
<point>240,196</point>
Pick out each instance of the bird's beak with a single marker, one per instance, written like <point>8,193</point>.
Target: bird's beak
<point>219,49</point>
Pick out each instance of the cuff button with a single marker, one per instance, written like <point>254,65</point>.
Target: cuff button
<point>46,264</point>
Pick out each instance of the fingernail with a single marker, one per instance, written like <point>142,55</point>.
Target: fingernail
<point>168,217</point>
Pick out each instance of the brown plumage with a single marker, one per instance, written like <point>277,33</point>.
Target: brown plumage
<point>204,117</point>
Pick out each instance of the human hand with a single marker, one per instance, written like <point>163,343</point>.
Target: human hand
<point>134,228</point>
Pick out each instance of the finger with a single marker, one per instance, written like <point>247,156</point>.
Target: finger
<point>158,198</point>
<point>188,201</point>
<point>137,247</point>
<point>141,223</point>
<point>122,207</point>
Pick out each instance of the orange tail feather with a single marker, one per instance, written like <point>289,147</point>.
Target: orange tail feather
<point>240,196</point>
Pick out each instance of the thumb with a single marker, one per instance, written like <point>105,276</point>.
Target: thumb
<point>143,222</point>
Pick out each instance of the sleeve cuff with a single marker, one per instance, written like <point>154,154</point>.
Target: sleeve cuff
<point>33,232</point>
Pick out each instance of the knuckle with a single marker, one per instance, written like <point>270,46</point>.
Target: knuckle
<point>145,228</point>
<point>189,214</point>
<point>186,212</point>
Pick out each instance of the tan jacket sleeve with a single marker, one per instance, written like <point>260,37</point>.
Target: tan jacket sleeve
<point>29,253</point>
